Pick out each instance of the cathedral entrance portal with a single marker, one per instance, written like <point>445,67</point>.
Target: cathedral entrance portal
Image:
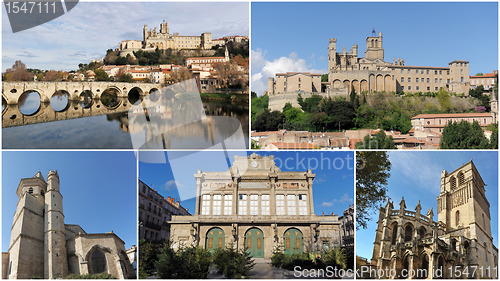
<point>293,241</point>
<point>215,239</point>
<point>254,242</point>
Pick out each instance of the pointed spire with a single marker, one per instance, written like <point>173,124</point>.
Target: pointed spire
<point>39,175</point>
<point>402,204</point>
<point>418,208</point>
<point>430,214</point>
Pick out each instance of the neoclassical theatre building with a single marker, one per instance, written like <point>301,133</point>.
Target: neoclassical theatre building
<point>43,246</point>
<point>460,238</point>
<point>255,206</point>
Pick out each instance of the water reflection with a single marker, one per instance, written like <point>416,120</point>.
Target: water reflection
<point>134,95</point>
<point>59,100</point>
<point>4,104</point>
<point>114,130</point>
<point>109,98</point>
<point>29,102</point>
<point>86,99</point>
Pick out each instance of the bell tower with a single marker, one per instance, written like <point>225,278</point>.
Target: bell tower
<point>462,202</point>
<point>374,48</point>
<point>56,262</point>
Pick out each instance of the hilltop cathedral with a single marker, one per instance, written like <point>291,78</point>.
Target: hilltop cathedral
<point>43,246</point>
<point>460,240</point>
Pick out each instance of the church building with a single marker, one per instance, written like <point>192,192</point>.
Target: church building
<point>256,207</point>
<point>43,246</point>
<point>461,239</point>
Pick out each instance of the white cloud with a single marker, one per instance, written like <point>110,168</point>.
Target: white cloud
<point>262,68</point>
<point>344,199</point>
<point>417,167</point>
<point>89,29</point>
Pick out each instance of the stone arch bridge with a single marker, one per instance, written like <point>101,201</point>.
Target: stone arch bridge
<point>11,91</point>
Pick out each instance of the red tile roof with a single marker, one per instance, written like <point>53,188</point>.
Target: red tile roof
<point>281,145</point>
<point>452,115</point>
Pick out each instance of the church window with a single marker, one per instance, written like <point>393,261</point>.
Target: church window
<point>280,205</point>
<point>408,232</point>
<point>461,179</point>
<point>228,204</point>
<point>243,205</point>
<point>205,205</point>
<point>41,192</point>
<point>254,205</point>
<point>98,259</point>
<point>484,222</point>
<point>453,182</point>
<point>457,218</point>
<point>302,205</point>
<point>394,233</point>
<point>290,200</point>
<point>485,251</point>
<point>30,190</point>
<point>216,205</point>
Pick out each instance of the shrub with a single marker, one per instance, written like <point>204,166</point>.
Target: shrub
<point>187,262</point>
<point>147,256</point>
<point>232,263</point>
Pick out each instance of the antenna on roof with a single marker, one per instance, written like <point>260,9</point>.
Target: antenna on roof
<point>373,31</point>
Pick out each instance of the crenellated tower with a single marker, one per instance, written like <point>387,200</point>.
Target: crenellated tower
<point>56,262</point>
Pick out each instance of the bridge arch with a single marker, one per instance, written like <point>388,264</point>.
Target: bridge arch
<point>135,94</point>
<point>110,97</point>
<point>60,100</point>
<point>29,102</point>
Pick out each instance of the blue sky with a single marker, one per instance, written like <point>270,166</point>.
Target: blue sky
<point>416,176</point>
<point>99,189</point>
<point>295,36</point>
<point>89,29</point>
<point>171,174</point>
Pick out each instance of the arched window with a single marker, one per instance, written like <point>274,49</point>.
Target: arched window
<point>41,192</point>
<point>421,232</point>
<point>394,233</point>
<point>453,182</point>
<point>98,259</point>
<point>457,218</point>
<point>408,232</point>
<point>425,266</point>
<point>461,179</point>
<point>30,190</point>
<point>485,251</point>
<point>484,222</point>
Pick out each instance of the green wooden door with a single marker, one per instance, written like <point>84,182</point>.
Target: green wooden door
<point>215,239</point>
<point>293,241</point>
<point>254,242</point>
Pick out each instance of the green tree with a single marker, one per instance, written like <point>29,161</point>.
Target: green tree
<point>232,263</point>
<point>380,141</point>
<point>287,107</point>
<point>444,100</point>
<point>126,78</point>
<point>494,135</point>
<point>372,172</point>
<point>479,74</point>
<point>463,135</point>
<point>324,77</point>
<point>185,263</point>
<point>259,104</point>
<point>268,121</point>
<point>147,258</point>
<point>101,75</point>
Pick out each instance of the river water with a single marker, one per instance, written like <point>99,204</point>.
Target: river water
<point>167,126</point>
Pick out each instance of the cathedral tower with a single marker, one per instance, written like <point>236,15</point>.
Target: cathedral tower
<point>464,209</point>
<point>56,263</point>
<point>374,49</point>
<point>26,242</point>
